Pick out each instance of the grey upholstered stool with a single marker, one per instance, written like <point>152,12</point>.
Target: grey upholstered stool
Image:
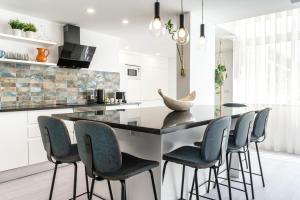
<point>211,152</point>
<point>100,152</point>
<point>57,143</point>
<point>259,135</point>
<point>239,143</point>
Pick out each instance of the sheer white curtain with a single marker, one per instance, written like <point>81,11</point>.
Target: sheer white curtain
<point>267,59</point>
<point>266,70</point>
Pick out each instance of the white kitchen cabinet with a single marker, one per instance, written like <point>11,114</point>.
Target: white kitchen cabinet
<point>36,151</point>
<point>13,140</point>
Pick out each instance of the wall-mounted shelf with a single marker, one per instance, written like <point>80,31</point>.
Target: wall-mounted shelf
<point>27,40</point>
<point>26,62</point>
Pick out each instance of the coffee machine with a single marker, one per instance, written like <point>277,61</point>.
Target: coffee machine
<point>100,96</point>
<point>120,97</point>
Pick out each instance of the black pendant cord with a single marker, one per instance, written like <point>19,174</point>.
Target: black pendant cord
<point>202,12</point>
<point>156,10</point>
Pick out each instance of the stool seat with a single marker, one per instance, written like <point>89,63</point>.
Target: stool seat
<point>255,138</point>
<point>131,166</point>
<point>72,157</point>
<point>231,145</point>
<point>188,155</point>
<point>198,144</point>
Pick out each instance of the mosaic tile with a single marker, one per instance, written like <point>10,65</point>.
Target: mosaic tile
<point>34,85</point>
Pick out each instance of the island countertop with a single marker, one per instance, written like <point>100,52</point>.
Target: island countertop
<point>158,120</point>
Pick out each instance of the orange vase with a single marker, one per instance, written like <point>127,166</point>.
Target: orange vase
<point>42,55</point>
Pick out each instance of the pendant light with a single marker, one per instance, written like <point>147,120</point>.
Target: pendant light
<point>182,34</point>
<point>202,28</point>
<point>156,26</point>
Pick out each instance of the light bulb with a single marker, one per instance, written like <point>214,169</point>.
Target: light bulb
<point>182,36</point>
<point>156,27</point>
<point>202,40</point>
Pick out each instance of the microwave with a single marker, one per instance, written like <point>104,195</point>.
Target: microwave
<point>133,71</point>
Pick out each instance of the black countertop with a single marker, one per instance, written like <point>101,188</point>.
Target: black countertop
<point>158,120</point>
<point>57,106</point>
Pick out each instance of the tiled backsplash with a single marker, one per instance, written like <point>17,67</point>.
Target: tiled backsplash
<point>33,85</point>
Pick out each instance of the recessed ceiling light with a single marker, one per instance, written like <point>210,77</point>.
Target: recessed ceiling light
<point>90,10</point>
<point>125,21</point>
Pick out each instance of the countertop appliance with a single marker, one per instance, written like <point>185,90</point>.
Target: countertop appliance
<point>120,97</point>
<point>100,95</point>
<point>72,54</point>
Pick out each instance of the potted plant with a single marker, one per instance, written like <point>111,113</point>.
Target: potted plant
<point>29,30</point>
<point>220,77</point>
<point>16,26</point>
<point>172,31</point>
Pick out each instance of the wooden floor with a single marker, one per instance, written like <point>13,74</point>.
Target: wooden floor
<point>282,174</point>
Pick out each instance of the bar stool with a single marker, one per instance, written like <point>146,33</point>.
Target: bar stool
<point>234,105</point>
<point>100,152</point>
<point>259,135</point>
<point>57,143</point>
<point>212,151</point>
<point>239,143</point>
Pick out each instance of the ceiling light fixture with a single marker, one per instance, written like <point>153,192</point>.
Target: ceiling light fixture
<point>202,28</point>
<point>90,10</point>
<point>125,21</point>
<point>182,35</point>
<point>156,26</point>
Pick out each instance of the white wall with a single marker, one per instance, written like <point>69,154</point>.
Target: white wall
<point>106,57</point>
<point>154,75</point>
<point>172,78</point>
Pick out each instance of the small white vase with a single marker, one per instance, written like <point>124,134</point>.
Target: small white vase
<point>17,32</point>
<point>29,34</point>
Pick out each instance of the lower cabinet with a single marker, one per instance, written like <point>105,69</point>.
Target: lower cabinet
<point>20,139</point>
<point>36,151</point>
<point>13,140</point>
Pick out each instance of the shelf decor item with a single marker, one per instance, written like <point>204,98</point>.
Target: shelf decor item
<point>29,29</point>
<point>220,76</point>
<point>16,26</point>
<point>2,54</point>
<point>156,26</point>
<point>42,55</point>
<point>182,104</point>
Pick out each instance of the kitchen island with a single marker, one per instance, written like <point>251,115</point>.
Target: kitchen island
<point>149,133</point>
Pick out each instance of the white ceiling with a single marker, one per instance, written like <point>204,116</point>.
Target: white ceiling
<point>135,35</point>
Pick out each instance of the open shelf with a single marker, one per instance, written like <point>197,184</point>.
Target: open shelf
<point>4,60</point>
<point>28,40</point>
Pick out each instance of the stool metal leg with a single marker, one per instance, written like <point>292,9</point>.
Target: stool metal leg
<point>182,182</point>
<point>110,191</point>
<point>196,183</point>
<point>260,167</point>
<point>191,193</point>
<point>243,175</point>
<point>92,189</point>
<point>209,179</point>
<point>250,170</point>
<point>53,181</point>
<point>228,176</point>
<point>217,183</point>
<point>164,170</point>
<point>75,181</point>
<point>123,193</point>
<point>153,184</point>
<point>246,161</point>
<point>87,184</point>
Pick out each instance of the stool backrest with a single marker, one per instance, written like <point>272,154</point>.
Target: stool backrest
<point>234,105</point>
<point>98,147</point>
<point>215,139</point>
<point>260,123</point>
<point>55,137</point>
<point>243,128</point>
